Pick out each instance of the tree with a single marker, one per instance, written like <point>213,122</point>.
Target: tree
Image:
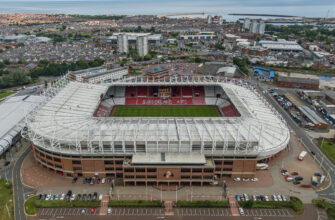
<point>6,62</point>
<point>147,57</point>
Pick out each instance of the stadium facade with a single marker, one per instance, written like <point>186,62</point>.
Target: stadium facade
<point>74,132</point>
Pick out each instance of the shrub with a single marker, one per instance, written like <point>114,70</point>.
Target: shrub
<point>66,204</point>
<point>135,203</point>
<point>202,204</point>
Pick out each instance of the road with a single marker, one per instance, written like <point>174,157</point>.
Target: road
<point>328,166</point>
<point>20,191</point>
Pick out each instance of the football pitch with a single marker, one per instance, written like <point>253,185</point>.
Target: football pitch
<point>165,111</point>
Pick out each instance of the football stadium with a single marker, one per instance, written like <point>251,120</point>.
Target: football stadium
<point>177,131</point>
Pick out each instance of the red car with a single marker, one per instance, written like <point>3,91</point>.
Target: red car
<point>92,210</point>
<point>294,173</point>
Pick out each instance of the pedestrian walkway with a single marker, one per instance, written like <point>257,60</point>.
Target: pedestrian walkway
<point>168,208</point>
<point>104,205</point>
<point>233,206</point>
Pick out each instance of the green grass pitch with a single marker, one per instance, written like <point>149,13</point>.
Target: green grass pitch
<point>165,111</point>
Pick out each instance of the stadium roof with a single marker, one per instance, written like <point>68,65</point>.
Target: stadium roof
<point>12,113</point>
<point>66,124</point>
<point>105,72</point>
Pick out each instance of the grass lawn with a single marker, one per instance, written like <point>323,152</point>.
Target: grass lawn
<point>5,94</point>
<point>168,111</point>
<point>136,203</point>
<point>6,197</point>
<point>328,147</point>
<point>202,204</point>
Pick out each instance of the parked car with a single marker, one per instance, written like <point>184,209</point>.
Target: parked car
<point>89,196</point>
<point>254,197</point>
<point>254,179</point>
<point>318,174</point>
<point>100,196</point>
<point>83,211</point>
<point>299,178</point>
<point>57,196</point>
<point>296,182</point>
<point>109,210</point>
<point>237,179</point>
<point>78,197</point>
<point>92,210</point>
<point>246,197</point>
<point>109,180</point>
<point>266,198</point>
<point>238,198</point>
<point>241,211</point>
<point>279,198</point>
<point>62,197</point>
<point>85,181</point>
<point>103,180</point>
<point>74,180</point>
<point>39,197</point>
<point>245,179</point>
<point>283,197</point>
<point>294,173</point>
<point>84,197</point>
<point>94,197</point>
<point>73,197</point>
<point>274,197</point>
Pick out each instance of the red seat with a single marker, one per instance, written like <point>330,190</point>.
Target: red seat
<point>187,91</point>
<point>142,91</point>
<point>130,91</point>
<point>130,101</point>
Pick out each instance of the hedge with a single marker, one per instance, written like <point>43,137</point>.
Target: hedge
<point>30,207</point>
<point>202,204</point>
<point>295,204</point>
<point>136,203</point>
<point>66,204</point>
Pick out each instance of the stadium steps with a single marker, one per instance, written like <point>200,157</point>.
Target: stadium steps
<point>104,205</point>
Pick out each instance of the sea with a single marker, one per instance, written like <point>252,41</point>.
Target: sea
<point>307,8</point>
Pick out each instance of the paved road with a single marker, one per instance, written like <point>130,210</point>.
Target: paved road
<point>327,165</point>
<point>20,191</point>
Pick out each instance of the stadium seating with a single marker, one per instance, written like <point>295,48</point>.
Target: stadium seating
<point>130,91</point>
<point>102,111</point>
<point>209,91</point>
<point>131,101</point>
<point>187,91</point>
<point>142,91</point>
<point>230,111</point>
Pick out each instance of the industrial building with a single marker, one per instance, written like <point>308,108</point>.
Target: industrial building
<point>299,83</point>
<point>281,45</point>
<point>69,136</point>
<point>199,36</point>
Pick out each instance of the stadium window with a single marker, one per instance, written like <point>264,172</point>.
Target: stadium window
<point>119,169</point>
<point>240,157</point>
<point>108,157</point>
<point>218,162</point>
<point>109,162</point>
<point>227,169</point>
<point>196,170</point>
<point>152,177</point>
<point>43,161</point>
<point>48,157</point>
<point>185,170</point>
<point>151,169</point>
<point>129,177</point>
<point>119,162</point>
<point>75,156</point>
<point>56,154</point>
<point>185,177</point>
<point>140,170</point>
<point>50,164</point>
<point>208,177</point>
<point>208,170</point>
<point>228,157</point>
<point>217,169</point>
<point>58,166</point>
<point>229,162</point>
<point>76,162</point>
<point>129,170</point>
<point>42,154</point>
<point>140,177</point>
<point>109,168</point>
<point>196,177</point>
<point>76,168</point>
<point>86,157</point>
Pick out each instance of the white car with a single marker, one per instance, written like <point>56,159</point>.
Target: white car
<point>254,179</point>
<point>48,197</point>
<point>245,179</point>
<point>237,179</point>
<point>241,211</point>
<point>279,198</point>
<point>283,197</point>
<point>62,197</point>
<point>103,180</point>
<point>274,197</point>
<point>285,174</point>
<point>100,196</point>
<point>73,197</point>
<point>109,210</point>
<point>266,198</point>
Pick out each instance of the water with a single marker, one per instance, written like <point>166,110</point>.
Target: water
<point>158,7</point>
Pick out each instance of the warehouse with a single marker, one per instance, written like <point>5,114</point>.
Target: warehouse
<point>298,83</point>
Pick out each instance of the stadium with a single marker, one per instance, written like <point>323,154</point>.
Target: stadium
<point>178,131</point>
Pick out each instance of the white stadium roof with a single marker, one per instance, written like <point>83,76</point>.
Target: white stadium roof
<point>12,114</point>
<point>66,124</point>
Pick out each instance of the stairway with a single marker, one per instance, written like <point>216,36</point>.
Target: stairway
<point>104,205</point>
<point>233,206</point>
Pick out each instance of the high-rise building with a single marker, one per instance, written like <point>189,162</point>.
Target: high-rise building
<point>122,43</point>
<point>261,27</point>
<point>253,27</point>
<point>209,19</point>
<point>246,24</point>
<point>220,20</point>
<point>142,45</point>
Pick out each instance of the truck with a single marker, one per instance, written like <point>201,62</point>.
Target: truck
<point>314,180</point>
<point>302,155</point>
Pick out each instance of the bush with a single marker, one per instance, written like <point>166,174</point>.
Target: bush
<point>136,203</point>
<point>30,207</point>
<point>202,204</point>
<point>66,204</point>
